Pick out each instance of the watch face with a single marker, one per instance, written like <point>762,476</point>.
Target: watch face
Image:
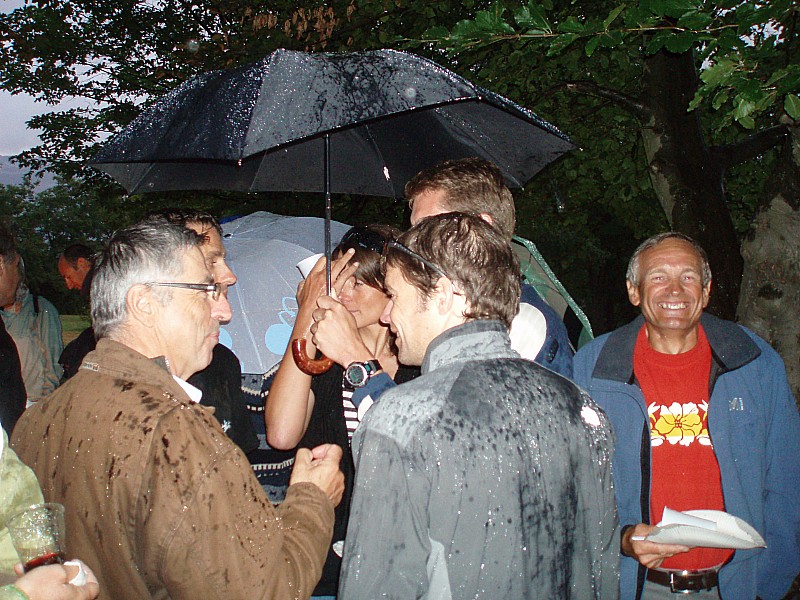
<point>356,375</point>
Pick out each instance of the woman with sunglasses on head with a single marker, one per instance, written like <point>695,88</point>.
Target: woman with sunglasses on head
<point>305,411</point>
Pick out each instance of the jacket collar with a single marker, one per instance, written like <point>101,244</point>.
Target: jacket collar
<point>730,345</point>
<point>473,340</point>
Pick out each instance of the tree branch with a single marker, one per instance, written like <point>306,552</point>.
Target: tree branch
<point>758,143</point>
<point>628,103</point>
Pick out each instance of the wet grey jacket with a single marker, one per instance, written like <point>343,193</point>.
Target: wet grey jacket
<point>486,477</point>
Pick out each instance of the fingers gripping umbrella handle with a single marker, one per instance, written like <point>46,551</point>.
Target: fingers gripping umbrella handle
<point>309,366</point>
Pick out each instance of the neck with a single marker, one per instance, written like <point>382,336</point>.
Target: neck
<point>670,341</point>
<point>375,338</point>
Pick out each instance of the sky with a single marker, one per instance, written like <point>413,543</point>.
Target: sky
<point>16,110</point>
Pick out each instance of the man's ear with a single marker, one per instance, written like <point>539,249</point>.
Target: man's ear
<point>447,298</point>
<point>633,293</point>
<point>487,217</point>
<point>82,264</point>
<point>142,305</point>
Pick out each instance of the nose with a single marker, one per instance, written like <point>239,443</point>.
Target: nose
<point>224,274</point>
<point>346,295</point>
<point>221,309</point>
<point>386,314</point>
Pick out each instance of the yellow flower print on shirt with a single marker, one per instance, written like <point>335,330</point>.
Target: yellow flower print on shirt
<point>679,424</point>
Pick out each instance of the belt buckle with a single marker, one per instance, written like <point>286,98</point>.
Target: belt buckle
<point>690,582</point>
<point>672,577</point>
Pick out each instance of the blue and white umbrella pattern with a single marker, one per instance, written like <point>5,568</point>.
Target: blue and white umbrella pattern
<point>263,250</point>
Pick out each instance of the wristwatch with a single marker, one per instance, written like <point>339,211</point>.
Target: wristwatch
<point>357,374</point>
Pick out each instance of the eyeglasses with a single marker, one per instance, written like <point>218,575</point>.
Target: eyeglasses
<point>395,245</point>
<point>215,290</point>
<point>363,237</point>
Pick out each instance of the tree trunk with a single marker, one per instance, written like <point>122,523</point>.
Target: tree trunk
<point>770,297</point>
<point>686,176</point>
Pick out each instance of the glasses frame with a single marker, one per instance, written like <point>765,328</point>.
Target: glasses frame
<point>213,289</point>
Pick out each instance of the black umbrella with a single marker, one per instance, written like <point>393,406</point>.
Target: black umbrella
<point>358,123</point>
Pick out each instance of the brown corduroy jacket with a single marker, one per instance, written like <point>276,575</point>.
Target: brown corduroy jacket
<point>160,503</point>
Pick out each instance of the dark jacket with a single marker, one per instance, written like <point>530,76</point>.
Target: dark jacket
<point>221,384</point>
<point>12,387</point>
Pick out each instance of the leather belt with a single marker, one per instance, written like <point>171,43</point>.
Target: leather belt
<point>684,581</point>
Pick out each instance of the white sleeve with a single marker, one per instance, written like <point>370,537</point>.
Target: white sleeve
<point>528,331</point>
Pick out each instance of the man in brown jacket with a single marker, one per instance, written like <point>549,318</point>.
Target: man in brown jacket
<point>160,503</point>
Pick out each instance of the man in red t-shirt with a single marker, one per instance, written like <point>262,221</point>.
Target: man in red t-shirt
<point>704,419</point>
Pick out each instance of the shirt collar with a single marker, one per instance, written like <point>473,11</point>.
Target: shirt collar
<point>194,394</point>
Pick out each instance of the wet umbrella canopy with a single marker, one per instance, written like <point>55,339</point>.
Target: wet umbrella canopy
<point>389,115</point>
<point>356,123</point>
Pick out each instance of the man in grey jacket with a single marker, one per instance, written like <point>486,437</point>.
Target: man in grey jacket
<point>488,476</point>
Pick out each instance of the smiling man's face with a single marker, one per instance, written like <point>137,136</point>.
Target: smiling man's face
<point>670,292</point>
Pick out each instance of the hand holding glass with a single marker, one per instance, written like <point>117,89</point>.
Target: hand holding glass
<point>38,535</point>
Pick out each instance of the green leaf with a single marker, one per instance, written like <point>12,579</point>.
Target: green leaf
<point>746,122</point>
<point>791,105</point>
<point>718,73</point>
<point>571,25</point>
<point>695,20</point>
<point>680,42</point>
<point>612,16</point>
<point>532,16</point>
<point>437,33</point>
<point>720,98</point>
<point>591,45</point>
<point>560,43</point>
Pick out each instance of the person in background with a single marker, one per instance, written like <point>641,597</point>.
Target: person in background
<point>12,386</point>
<point>308,411</point>
<point>704,419</point>
<point>75,265</point>
<point>33,323</point>
<point>488,476</point>
<point>19,490</point>
<point>475,185</point>
<point>220,381</point>
<point>160,503</point>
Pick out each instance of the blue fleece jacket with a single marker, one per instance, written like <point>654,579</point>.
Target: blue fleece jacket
<point>755,429</point>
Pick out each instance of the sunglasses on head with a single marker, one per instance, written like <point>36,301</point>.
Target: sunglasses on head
<point>363,237</point>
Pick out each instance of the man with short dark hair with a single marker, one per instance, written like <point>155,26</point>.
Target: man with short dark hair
<point>704,419</point>
<point>476,186</point>
<point>75,265</point>
<point>160,502</point>
<point>488,476</point>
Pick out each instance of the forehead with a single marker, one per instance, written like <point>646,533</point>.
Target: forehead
<point>395,281</point>
<point>429,202</point>
<point>672,252</point>
<point>64,266</point>
<point>194,267</point>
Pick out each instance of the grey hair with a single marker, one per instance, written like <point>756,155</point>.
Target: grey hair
<point>151,250</point>
<point>633,265</point>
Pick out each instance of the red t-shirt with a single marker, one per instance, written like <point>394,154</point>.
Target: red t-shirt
<point>685,473</point>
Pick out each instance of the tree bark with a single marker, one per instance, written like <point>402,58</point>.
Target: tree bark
<point>687,176</point>
<point>770,295</point>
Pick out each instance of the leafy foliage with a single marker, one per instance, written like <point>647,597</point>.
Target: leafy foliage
<point>579,65</point>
